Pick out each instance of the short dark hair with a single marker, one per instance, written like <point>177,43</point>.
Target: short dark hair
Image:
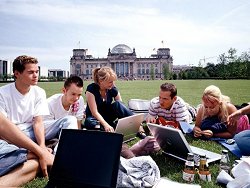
<point>73,80</point>
<point>169,87</point>
<point>20,62</point>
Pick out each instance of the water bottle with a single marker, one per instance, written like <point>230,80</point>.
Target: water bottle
<point>189,171</point>
<point>204,172</point>
<point>224,162</point>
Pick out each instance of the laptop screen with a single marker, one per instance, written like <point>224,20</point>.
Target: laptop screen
<point>171,140</point>
<point>129,126</point>
<point>86,159</point>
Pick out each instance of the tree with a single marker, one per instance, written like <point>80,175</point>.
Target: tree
<point>232,55</point>
<point>175,76</point>
<point>245,59</point>
<point>152,72</point>
<point>210,68</point>
<point>222,66</point>
<point>183,75</point>
<point>166,72</point>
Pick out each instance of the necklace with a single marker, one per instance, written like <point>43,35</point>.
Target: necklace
<point>103,94</point>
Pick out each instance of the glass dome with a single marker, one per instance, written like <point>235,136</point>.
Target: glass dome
<point>121,49</point>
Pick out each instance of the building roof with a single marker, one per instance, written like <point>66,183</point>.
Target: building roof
<point>121,49</point>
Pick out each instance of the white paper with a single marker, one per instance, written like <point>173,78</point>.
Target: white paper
<point>164,182</point>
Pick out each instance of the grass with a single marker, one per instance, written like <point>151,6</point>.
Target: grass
<point>190,91</point>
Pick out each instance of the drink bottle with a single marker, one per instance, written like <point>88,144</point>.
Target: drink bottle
<point>189,171</point>
<point>224,162</point>
<point>204,172</point>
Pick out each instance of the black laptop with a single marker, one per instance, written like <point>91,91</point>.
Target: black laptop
<point>86,158</point>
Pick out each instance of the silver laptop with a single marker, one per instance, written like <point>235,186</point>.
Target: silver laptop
<point>173,143</point>
<point>129,126</point>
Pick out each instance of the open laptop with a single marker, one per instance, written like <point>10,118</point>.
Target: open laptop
<point>129,126</point>
<point>86,158</point>
<point>173,143</point>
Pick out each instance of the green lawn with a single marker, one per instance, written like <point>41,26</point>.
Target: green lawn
<point>190,91</point>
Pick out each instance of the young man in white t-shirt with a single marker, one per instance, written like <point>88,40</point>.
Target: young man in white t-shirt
<point>24,104</point>
<point>68,105</point>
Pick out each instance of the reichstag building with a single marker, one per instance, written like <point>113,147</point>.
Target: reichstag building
<point>122,59</point>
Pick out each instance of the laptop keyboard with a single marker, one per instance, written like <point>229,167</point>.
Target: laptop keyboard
<point>209,154</point>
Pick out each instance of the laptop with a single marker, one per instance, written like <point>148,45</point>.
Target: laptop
<point>86,158</point>
<point>173,143</point>
<point>129,126</point>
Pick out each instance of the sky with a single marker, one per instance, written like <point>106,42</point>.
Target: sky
<point>192,29</point>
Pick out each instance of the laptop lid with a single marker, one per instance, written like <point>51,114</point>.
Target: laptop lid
<point>173,143</point>
<point>129,126</point>
<point>86,159</point>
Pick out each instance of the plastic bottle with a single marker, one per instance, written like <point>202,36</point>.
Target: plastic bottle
<point>189,172</point>
<point>224,162</point>
<point>204,172</point>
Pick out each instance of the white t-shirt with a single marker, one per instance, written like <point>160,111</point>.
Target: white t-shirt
<point>57,110</point>
<point>21,109</point>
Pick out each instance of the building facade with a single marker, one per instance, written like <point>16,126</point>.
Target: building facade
<point>57,73</point>
<point>122,59</point>
<point>6,73</point>
<point>5,70</point>
<point>5,67</point>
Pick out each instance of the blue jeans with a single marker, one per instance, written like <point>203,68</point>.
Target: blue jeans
<point>116,110</point>
<point>53,128</point>
<point>10,157</point>
<point>242,139</point>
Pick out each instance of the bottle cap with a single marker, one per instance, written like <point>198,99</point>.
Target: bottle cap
<point>203,155</point>
<point>190,154</point>
<point>224,151</point>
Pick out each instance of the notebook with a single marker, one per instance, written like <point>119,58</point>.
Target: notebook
<point>129,126</point>
<point>186,127</point>
<point>86,158</point>
<point>173,143</point>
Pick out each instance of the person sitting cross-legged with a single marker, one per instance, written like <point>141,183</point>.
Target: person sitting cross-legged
<point>66,109</point>
<point>104,102</point>
<point>23,103</point>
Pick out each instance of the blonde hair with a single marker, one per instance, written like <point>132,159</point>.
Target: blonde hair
<point>103,73</point>
<point>213,94</point>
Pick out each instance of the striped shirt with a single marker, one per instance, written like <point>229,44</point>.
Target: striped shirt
<point>178,111</point>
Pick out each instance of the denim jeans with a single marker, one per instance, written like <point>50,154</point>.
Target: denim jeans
<point>242,139</point>
<point>116,110</point>
<point>10,157</point>
<point>53,128</point>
